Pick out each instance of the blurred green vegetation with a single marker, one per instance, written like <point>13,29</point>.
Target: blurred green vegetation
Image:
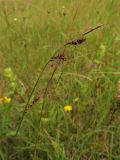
<point>88,80</point>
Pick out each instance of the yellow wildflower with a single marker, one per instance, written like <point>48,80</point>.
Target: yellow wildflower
<point>68,108</point>
<point>7,99</point>
<point>1,100</point>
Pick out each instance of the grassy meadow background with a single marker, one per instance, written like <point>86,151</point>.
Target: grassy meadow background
<point>87,80</point>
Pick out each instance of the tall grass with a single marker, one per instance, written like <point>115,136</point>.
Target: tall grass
<point>87,79</point>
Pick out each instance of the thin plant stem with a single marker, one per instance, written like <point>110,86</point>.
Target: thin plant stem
<point>92,29</point>
<point>43,104</point>
<point>34,87</point>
